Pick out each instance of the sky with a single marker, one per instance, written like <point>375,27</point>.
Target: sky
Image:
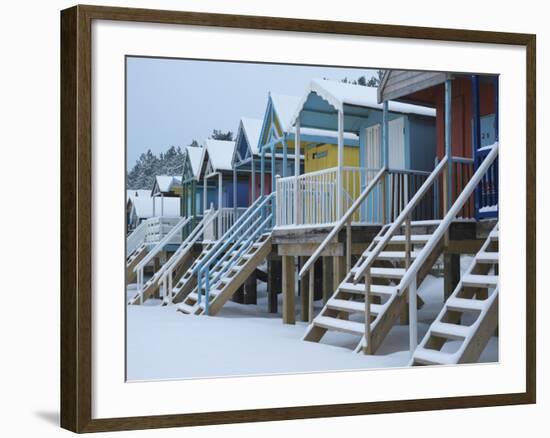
<point>173,101</point>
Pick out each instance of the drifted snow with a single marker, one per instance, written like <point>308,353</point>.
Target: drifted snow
<point>247,340</point>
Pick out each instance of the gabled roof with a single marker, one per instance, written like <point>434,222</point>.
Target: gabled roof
<point>137,193</point>
<point>194,155</point>
<point>219,153</point>
<point>339,94</point>
<point>285,107</point>
<point>165,183</point>
<point>251,129</point>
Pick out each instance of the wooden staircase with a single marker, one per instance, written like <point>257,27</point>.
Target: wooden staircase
<point>345,310</point>
<point>230,261</point>
<point>132,261</point>
<point>470,315</point>
<point>230,276</point>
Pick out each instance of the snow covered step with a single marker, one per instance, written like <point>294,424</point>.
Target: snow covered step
<point>352,306</point>
<point>185,308</point>
<point>487,257</point>
<point>392,255</point>
<point>432,357</point>
<point>415,238</point>
<point>461,304</point>
<point>450,331</point>
<point>471,280</point>
<point>195,296</point>
<point>387,272</point>
<point>342,325</point>
<point>493,236</point>
<point>375,289</point>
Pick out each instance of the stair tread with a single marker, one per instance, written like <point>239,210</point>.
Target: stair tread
<point>375,289</point>
<point>487,256</point>
<point>340,324</point>
<point>400,238</point>
<point>479,280</point>
<point>453,331</point>
<point>455,303</point>
<point>186,308</point>
<point>393,254</point>
<point>353,306</point>
<point>433,357</point>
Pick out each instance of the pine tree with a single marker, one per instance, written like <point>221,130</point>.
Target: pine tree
<point>218,134</point>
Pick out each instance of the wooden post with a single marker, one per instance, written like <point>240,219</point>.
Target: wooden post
<point>385,155</point>
<point>451,269</point>
<point>289,306</point>
<point>413,317</point>
<point>274,283</point>
<point>253,180</point>
<point>328,286</point>
<point>250,289</point>
<point>367,349</point>
<point>296,169</point>
<point>448,140</point>
<point>339,181</point>
<point>311,292</point>
<point>262,172</point>
<point>285,156</point>
<point>404,319</point>
<point>220,222</point>
<point>273,149</point>
<point>339,271</point>
<point>304,289</point>
<point>348,245</point>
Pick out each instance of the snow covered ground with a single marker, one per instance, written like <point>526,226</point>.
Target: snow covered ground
<point>247,340</point>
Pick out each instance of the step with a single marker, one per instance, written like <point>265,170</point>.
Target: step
<point>487,257</point>
<point>392,255</point>
<point>461,304</point>
<point>352,306</point>
<point>432,357</point>
<point>449,331</point>
<point>341,325</point>
<point>471,280</point>
<point>387,272</point>
<point>493,235</point>
<point>185,308</point>
<point>415,238</point>
<point>375,289</point>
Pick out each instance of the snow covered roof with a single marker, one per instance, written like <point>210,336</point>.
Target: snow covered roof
<point>252,129</point>
<point>166,183</point>
<point>285,107</point>
<point>195,154</point>
<point>220,153</point>
<point>143,193</point>
<point>339,94</point>
<point>143,207</point>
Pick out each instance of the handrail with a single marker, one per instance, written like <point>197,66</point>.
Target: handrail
<point>400,219</point>
<point>138,232</point>
<point>235,228</point>
<point>181,223</point>
<point>342,222</point>
<point>447,220</point>
<point>186,244</point>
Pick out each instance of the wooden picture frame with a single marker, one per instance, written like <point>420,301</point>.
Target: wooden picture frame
<point>76,218</point>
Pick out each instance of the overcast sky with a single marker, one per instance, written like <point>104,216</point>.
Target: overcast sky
<point>172,101</point>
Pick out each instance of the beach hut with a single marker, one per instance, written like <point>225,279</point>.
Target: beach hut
<point>130,196</point>
<point>165,186</point>
<point>341,170</point>
<point>466,126</point>
<point>216,173</point>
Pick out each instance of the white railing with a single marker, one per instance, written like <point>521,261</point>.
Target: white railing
<point>158,227</point>
<point>136,238</point>
<point>318,195</point>
<point>225,219</point>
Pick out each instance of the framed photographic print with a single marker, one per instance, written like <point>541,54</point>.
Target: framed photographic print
<point>268,218</point>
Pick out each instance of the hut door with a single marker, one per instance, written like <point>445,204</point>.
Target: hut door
<point>396,143</point>
<point>372,146</point>
<point>487,191</point>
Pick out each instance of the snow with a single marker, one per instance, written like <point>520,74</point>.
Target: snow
<point>220,153</point>
<point>339,94</point>
<point>143,207</point>
<point>247,340</point>
<point>132,194</point>
<point>252,129</point>
<point>489,209</point>
<point>195,154</point>
<point>166,183</point>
